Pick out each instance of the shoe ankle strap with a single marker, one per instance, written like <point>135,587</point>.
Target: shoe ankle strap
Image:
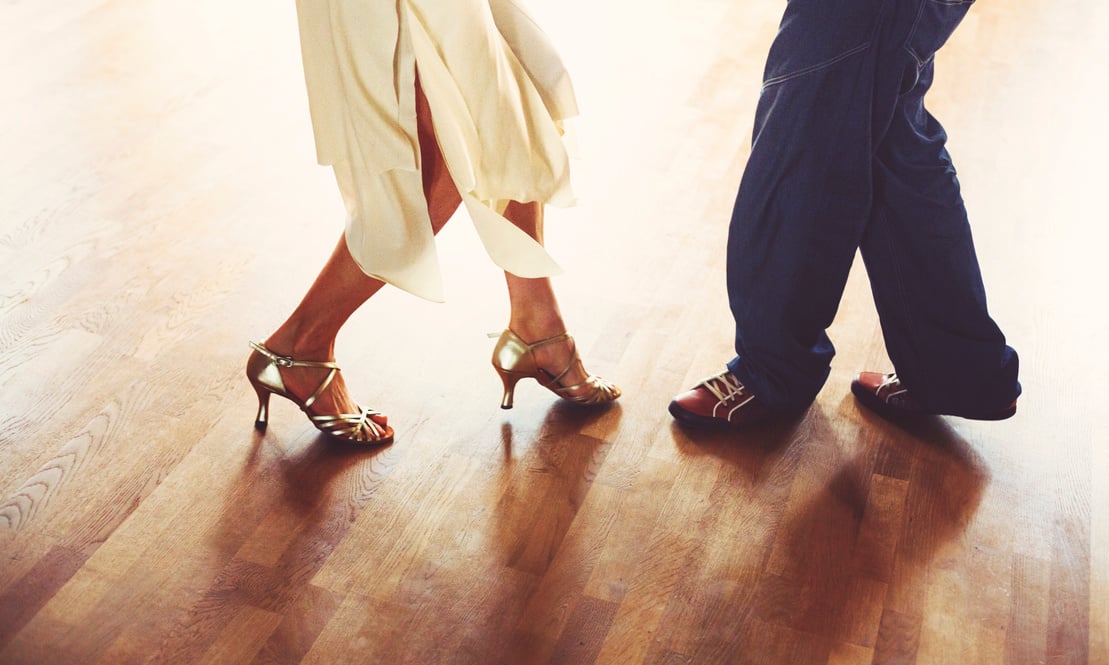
<point>289,361</point>
<point>550,340</point>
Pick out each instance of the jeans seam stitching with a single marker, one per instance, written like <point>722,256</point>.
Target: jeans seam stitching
<point>920,62</point>
<point>814,68</point>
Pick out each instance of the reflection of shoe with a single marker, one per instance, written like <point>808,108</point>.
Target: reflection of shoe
<point>263,370</point>
<point>884,394</point>
<point>720,401</point>
<point>514,359</point>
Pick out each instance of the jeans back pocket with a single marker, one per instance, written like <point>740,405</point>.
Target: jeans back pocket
<point>817,34</point>
<point>935,22</point>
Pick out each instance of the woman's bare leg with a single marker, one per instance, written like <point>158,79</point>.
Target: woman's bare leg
<point>341,287</point>
<point>535,314</point>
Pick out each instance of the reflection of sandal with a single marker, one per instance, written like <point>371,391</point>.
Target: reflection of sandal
<point>263,370</point>
<point>514,359</point>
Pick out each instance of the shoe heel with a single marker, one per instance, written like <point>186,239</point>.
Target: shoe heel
<point>263,405</point>
<point>509,380</point>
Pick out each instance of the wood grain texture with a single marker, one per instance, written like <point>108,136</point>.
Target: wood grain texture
<point>160,205</point>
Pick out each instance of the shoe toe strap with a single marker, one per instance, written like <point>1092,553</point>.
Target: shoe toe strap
<point>357,427</point>
<point>593,390</point>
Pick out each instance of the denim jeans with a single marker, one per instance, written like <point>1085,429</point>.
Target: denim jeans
<point>845,157</point>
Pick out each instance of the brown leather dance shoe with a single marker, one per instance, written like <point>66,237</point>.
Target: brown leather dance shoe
<point>719,401</point>
<point>885,395</point>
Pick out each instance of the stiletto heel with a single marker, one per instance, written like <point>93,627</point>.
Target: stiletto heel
<point>263,405</point>
<point>514,359</point>
<point>263,369</point>
<point>509,380</point>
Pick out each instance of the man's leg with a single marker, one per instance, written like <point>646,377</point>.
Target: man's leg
<point>805,196</point>
<point>802,205</point>
<point>949,355</point>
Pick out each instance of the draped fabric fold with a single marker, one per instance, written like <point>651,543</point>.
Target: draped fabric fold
<point>498,94</point>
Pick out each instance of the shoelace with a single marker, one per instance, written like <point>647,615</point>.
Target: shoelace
<point>732,385</point>
<point>894,391</point>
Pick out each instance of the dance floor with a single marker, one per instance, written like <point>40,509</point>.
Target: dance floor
<point>160,205</point>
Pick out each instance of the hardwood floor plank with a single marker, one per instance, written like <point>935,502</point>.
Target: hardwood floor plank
<point>241,638</point>
<point>850,654</point>
<point>898,639</point>
<point>394,532</point>
<point>771,643</point>
<point>1068,638</point>
<point>21,601</point>
<point>585,631</point>
<point>876,547</point>
<point>860,615</point>
<point>1099,551</point>
<point>545,616</point>
<point>626,549</point>
<point>984,633</point>
<point>486,619</point>
<point>38,643</point>
<point>356,632</point>
<point>1026,632</point>
<point>665,563</point>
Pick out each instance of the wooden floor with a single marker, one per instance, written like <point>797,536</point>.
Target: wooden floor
<point>160,205</point>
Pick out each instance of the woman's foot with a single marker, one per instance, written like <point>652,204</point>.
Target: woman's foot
<point>303,381</point>
<point>558,356</point>
<point>554,363</point>
<point>334,400</point>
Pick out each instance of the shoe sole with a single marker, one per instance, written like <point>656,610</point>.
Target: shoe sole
<point>1007,413</point>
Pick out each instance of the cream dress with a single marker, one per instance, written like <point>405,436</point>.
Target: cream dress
<point>498,94</point>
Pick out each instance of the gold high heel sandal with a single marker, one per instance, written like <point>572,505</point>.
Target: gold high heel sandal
<point>262,368</point>
<point>514,359</point>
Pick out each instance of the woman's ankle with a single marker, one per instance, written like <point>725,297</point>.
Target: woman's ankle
<point>534,329</point>
<point>301,348</point>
